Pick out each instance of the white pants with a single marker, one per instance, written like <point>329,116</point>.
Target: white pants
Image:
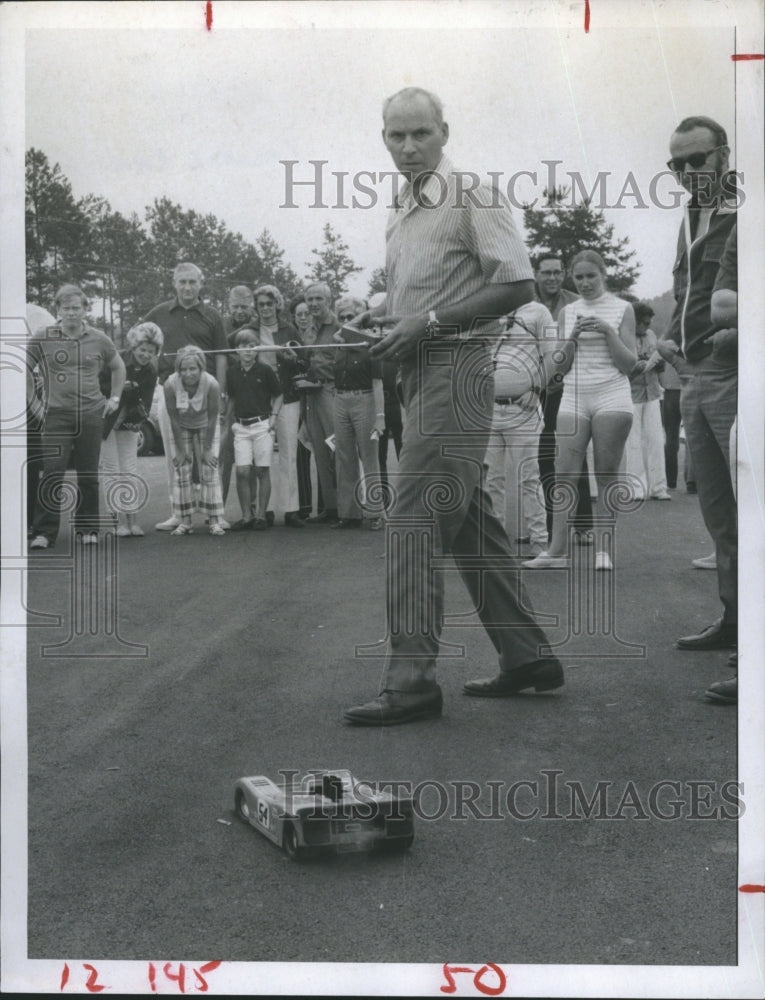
<point>168,442</point>
<point>512,473</point>
<point>118,464</point>
<point>287,439</point>
<point>645,448</point>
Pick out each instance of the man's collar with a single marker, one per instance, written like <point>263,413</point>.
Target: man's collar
<point>75,336</point>
<point>431,192</point>
<point>724,202</point>
<point>178,305</point>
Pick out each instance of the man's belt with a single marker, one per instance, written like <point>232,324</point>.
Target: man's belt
<point>352,392</point>
<point>506,400</point>
<point>247,421</point>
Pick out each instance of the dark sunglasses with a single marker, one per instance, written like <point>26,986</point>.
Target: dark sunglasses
<point>696,160</point>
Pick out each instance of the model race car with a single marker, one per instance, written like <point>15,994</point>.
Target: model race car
<point>324,812</point>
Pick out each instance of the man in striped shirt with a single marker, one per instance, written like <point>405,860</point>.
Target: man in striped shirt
<point>455,264</point>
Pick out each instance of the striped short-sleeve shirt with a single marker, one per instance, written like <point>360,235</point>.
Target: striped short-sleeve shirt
<point>593,364</point>
<point>449,243</point>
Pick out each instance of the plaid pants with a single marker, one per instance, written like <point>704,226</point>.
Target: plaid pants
<point>210,499</point>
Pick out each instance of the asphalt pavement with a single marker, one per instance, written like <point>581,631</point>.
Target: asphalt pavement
<point>181,664</point>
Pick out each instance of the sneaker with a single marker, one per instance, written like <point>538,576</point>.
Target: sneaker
<point>90,538</point>
<point>123,531</point>
<point>536,549</point>
<point>136,531</point>
<point>603,561</point>
<point>217,530</point>
<point>224,523</point>
<point>660,496</point>
<point>706,562</point>
<point>39,542</point>
<point>545,561</point>
<point>169,524</point>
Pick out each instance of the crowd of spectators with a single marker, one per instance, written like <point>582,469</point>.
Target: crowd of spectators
<point>227,403</point>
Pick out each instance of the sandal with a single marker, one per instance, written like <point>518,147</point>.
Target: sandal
<point>217,530</point>
<point>183,529</point>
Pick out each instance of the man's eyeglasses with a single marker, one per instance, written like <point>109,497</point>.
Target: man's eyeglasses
<point>695,160</point>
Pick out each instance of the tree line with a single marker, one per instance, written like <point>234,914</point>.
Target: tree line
<point>126,262</point>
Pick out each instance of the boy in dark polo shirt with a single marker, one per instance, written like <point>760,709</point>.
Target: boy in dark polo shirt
<point>254,401</point>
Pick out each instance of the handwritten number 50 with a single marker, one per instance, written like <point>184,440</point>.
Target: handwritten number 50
<point>491,991</point>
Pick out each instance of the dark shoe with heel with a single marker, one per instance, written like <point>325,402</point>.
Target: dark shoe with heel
<point>391,708</point>
<point>723,692</point>
<point>542,675</point>
<point>717,636</point>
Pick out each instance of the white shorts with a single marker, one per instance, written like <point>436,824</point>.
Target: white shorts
<point>253,444</point>
<point>609,397</point>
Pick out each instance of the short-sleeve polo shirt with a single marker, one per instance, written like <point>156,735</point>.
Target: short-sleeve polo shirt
<point>252,390</point>
<point>200,324</point>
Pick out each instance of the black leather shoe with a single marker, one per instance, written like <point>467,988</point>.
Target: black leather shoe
<point>723,692</point>
<point>293,521</point>
<point>391,708</point>
<point>242,524</point>
<point>542,675</point>
<point>716,636</point>
<point>350,522</point>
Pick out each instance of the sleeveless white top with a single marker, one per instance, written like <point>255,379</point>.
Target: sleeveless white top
<point>593,365</point>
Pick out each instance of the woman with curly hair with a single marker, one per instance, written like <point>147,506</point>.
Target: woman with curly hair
<point>119,448</point>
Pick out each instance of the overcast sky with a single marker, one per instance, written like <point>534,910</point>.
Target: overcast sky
<point>204,118</point>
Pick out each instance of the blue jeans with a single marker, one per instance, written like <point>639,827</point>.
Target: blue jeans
<point>67,434</point>
<point>708,406</point>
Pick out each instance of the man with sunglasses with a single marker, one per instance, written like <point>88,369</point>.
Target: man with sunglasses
<point>699,157</point>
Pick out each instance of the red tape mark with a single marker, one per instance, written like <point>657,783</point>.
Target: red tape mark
<point>751,888</point>
<point>586,16</point>
<point>743,56</point>
<point>208,14</point>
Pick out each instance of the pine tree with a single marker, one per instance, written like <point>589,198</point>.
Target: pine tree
<point>563,228</point>
<point>57,231</point>
<point>333,263</point>
<point>378,282</point>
